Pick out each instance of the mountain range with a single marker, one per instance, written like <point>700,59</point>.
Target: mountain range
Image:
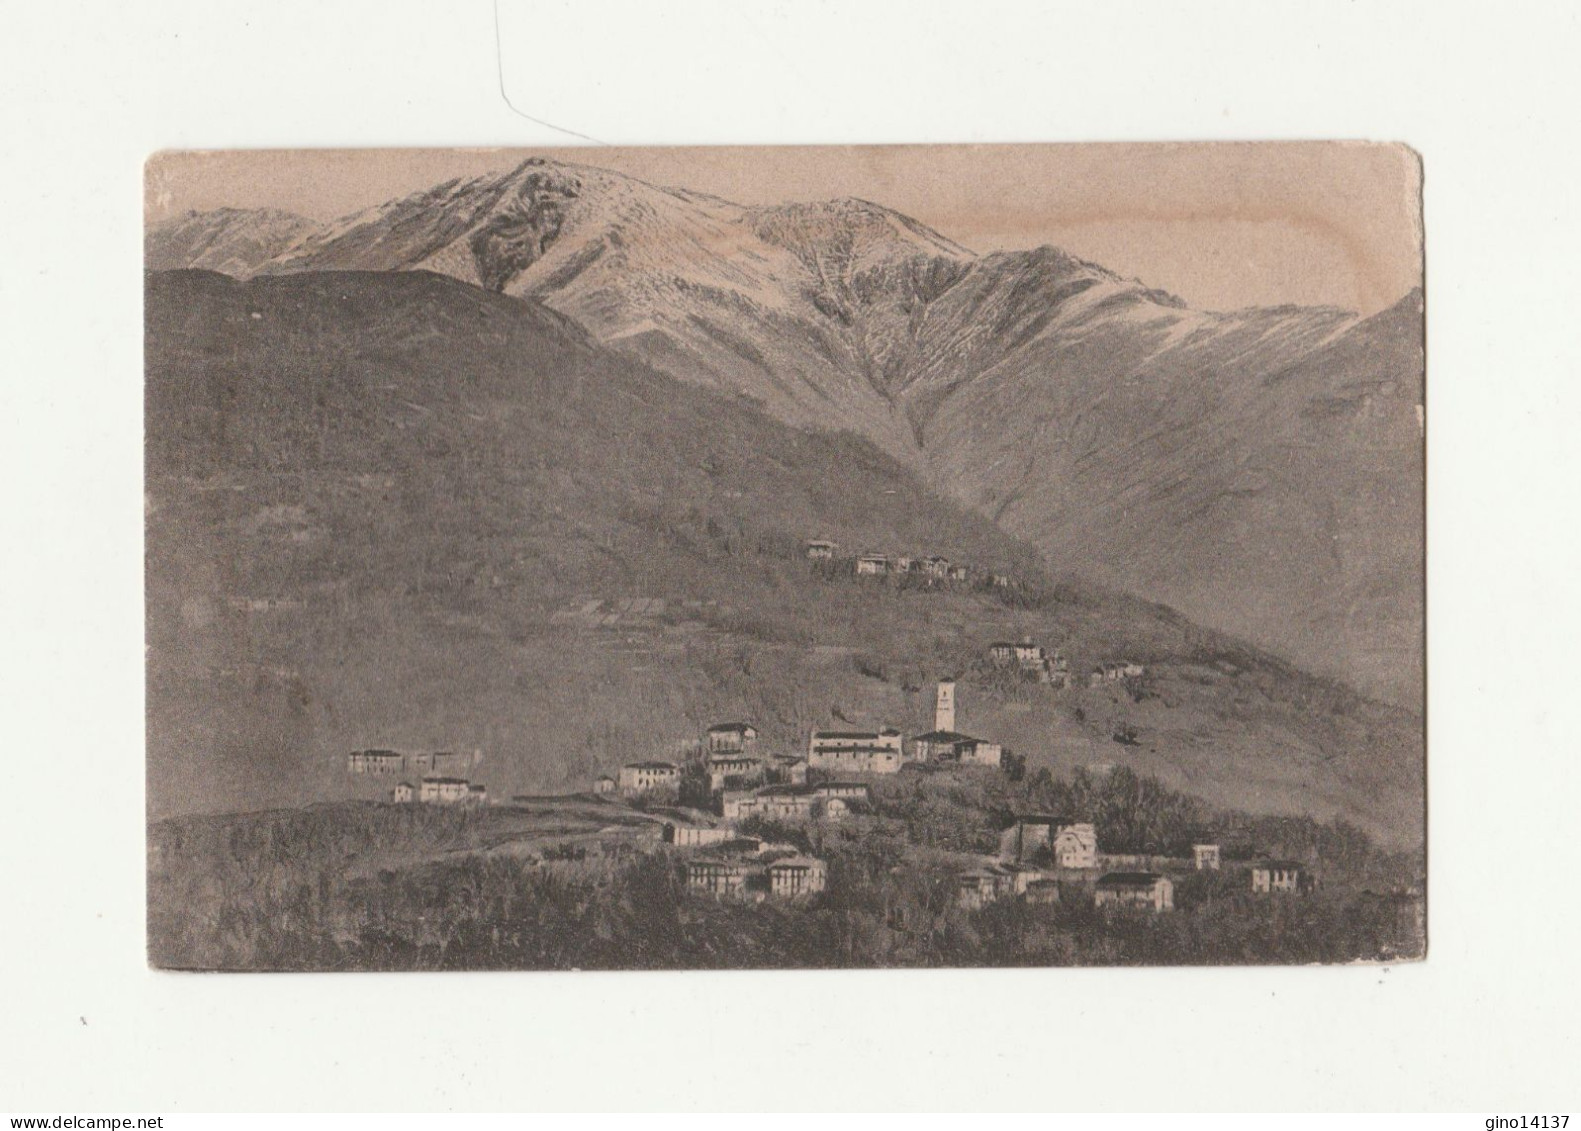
<point>392,509</point>
<point>1260,470</point>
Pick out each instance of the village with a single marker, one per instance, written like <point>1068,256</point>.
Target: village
<point>741,819</point>
<point>713,806</point>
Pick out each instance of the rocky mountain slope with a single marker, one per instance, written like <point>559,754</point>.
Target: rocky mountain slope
<point>1261,470</point>
<point>380,503</point>
<point>236,241</point>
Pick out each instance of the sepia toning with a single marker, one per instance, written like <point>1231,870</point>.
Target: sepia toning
<point>557,563</point>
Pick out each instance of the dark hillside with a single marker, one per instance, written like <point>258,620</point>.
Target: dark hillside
<point>399,510</point>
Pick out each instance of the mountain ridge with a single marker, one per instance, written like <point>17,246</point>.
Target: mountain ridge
<point>419,478</point>
<point>1100,419</point>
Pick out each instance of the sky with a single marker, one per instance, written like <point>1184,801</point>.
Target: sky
<point>1222,225</point>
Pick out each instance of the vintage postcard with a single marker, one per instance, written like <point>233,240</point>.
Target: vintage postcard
<point>823,557</point>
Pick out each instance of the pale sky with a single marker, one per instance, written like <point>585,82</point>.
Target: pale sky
<point>1223,225</point>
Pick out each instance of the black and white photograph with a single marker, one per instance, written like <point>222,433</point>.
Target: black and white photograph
<point>917,556</point>
<point>718,560</point>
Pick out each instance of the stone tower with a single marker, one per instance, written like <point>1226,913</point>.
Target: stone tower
<point>944,706</point>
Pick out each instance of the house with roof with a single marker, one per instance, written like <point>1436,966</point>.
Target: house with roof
<point>944,744</point>
<point>732,738</point>
<point>978,887</point>
<point>1276,877</point>
<point>645,777</point>
<point>734,770</point>
<point>872,565</point>
<point>718,877</point>
<point>1075,846</point>
<point>787,769</point>
<point>445,762</point>
<point>787,876</point>
<point>1007,653</point>
<point>1205,857</point>
<point>785,803</point>
<point>695,836</point>
<point>477,794</point>
<point>437,789</point>
<point>948,746</point>
<point>605,784</point>
<point>1148,890</point>
<point>820,550</point>
<point>1033,661</point>
<point>845,790</point>
<point>1063,842</point>
<point>375,762</point>
<point>936,567</point>
<point>403,793</point>
<point>738,804</point>
<point>797,876</point>
<point>856,751</point>
<point>987,882</point>
<point>1112,671</point>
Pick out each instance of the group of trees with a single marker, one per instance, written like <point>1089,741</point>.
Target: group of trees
<point>398,887</point>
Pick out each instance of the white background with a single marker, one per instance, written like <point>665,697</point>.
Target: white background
<point>1487,93</point>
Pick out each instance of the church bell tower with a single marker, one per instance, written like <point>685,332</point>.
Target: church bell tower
<point>944,706</point>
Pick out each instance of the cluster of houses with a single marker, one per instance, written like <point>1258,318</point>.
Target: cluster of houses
<point>747,868</point>
<point>1033,661</point>
<point>774,787</point>
<point>730,758</point>
<point>1043,859</point>
<point>440,783</point>
<point>1112,671</point>
<point>437,789</point>
<point>884,751</point>
<point>933,568</point>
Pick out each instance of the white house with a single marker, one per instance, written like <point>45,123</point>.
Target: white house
<point>375,762</point>
<point>1135,889</point>
<point>643,777</point>
<point>946,746</point>
<point>1075,846</point>
<point>691,836</point>
<point>731,738</point>
<point>797,876</point>
<point>1279,876</point>
<point>437,790</point>
<point>1205,857</point>
<point>718,877</point>
<point>1024,652</point>
<point>403,793</point>
<point>723,768</point>
<point>785,803</point>
<point>819,550</point>
<point>856,752</point>
<point>872,565</point>
<point>849,790</point>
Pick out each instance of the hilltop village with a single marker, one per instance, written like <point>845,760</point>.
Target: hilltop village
<point>734,819</point>
<point>805,830</point>
<point>716,802</point>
